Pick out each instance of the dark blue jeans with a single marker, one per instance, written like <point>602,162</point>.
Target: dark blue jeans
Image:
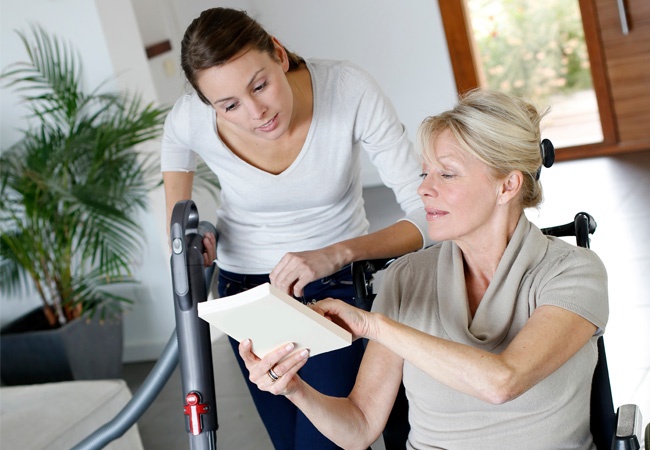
<point>331,373</point>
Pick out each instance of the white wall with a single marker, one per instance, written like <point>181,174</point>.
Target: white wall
<point>400,43</point>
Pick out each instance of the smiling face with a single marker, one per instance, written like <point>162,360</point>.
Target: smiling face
<point>250,93</point>
<point>459,193</point>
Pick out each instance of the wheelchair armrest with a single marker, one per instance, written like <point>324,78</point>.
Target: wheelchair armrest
<point>628,428</point>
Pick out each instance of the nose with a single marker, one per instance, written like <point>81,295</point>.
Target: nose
<point>256,109</point>
<point>427,187</point>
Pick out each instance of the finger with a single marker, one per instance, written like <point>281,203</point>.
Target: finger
<point>284,283</point>
<point>279,267</point>
<point>260,373</point>
<point>296,359</point>
<point>246,352</point>
<point>298,287</point>
<point>281,385</point>
<point>209,244</point>
<point>263,365</point>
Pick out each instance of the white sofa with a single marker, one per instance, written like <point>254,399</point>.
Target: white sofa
<point>60,415</point>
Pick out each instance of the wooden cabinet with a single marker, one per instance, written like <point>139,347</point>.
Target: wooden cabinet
<point>626,61</point>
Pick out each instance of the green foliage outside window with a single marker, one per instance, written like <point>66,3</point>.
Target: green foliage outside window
<point>530,48</point>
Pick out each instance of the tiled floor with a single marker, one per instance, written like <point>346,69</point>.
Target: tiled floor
<point>616,191</point>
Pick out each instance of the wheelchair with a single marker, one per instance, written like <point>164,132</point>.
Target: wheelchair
<point>616,431</point>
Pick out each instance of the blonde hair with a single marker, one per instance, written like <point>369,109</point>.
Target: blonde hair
<point>500,130</point>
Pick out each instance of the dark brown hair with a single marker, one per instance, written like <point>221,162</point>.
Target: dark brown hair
<point>219,34</point>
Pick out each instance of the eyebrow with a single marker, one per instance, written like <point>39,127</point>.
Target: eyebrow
<point>252,79</point>
<point>448,158</point>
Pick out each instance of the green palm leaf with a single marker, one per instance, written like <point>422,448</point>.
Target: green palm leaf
<point>72,188</point>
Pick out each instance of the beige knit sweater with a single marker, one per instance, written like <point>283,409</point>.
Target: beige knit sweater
<point>426,290</point>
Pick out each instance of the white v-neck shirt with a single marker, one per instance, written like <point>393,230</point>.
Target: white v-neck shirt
<point>317,200</point>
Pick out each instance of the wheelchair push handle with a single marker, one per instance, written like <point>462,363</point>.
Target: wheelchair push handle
<point>582,226</point>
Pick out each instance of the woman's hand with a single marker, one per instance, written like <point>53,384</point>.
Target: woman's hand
<point>297,269</point>
<point>209,249</point>
<point>276,372</point>
<point>357,321</point>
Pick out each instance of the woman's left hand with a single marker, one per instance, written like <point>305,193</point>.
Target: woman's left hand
<point>297,269</point>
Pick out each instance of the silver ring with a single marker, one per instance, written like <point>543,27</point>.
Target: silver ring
<point>272,375</point>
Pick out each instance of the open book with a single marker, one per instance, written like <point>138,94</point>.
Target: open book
<point>271,318</point>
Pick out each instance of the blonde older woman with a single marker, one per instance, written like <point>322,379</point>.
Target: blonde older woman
<point>493,330</point>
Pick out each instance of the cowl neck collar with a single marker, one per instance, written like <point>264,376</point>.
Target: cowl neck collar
<point>499,306</point>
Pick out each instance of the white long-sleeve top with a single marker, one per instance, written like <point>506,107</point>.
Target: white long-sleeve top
<point>315,202</point>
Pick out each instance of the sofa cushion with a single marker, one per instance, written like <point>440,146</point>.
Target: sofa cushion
<point>60,415</point>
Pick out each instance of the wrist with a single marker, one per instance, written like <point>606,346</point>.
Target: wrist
<point>377,327</point>
<point>297,393</point>
<point>343,254</point>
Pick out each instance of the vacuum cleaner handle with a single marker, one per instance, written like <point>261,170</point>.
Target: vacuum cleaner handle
<point>195,347</point>
<point>191,337</point>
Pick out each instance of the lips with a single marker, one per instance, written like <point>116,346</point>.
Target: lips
<point>433,214</point>
<point>270,125</point>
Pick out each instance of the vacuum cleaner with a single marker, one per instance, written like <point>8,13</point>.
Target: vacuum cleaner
<point>189,344</point>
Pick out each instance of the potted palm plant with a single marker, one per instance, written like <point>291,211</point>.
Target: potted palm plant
<point>70,192</point>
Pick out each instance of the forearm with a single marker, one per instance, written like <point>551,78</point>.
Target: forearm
<point>337,418</point>
<point>475,372</point>
<point>178,186</point>
<point>549,339</point>
<point>395,240</point>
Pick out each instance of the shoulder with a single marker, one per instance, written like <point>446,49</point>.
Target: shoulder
<point>343,73</point>
<point>186,109</point>
<point>412,265</point>
<point>188,115</point>
<point>574,278</point>
<point>408,287</point>
<point>563,256</point>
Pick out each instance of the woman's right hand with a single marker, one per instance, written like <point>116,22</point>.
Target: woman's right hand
<point>360,323</point>
<point>281,363</point>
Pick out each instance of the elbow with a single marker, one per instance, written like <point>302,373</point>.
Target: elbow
<point>358,446</point>
<point>502,388</point>
<point>355,440</point>
<point>499,397</point>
